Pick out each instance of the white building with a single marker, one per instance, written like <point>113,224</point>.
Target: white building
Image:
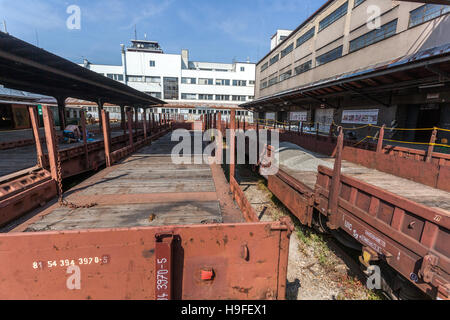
<point>279,37</point>
<point>190,88</point>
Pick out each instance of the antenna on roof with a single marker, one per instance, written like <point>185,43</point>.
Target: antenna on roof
<point>4,25</point>
<point>145,36</point>
<point>135,32</point>
<point>37,38</point>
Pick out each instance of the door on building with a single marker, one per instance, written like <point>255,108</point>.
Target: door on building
<point>6,117</point>
<point>429,117</point>
<point>324,117</point>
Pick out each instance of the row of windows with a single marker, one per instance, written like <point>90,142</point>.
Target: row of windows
<point>201,81</point>
<point>426,13</point>
<point>334,16</point>
<point>217,97</point>
<point>384,32</point>
<point>209,111</point>
<point>219,82</point>
<point>144,79</point>
<point>286,75</point>
<point>420,15</point>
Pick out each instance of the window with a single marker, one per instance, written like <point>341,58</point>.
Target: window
<point>329,56</point>
<point>188,80</point>
<point>239,83</point>
<point>223,82</point>
<point>188,96</point>
<point>205,97</point>
<point>239,98</point>
<point>170,88</point>
<point>334,16</point>
<point>153,79</point>
<point>358,2</point>
<point>135,79</point>
<point>374,36</point>
<point>308,35</point>
<point>288,50</point>
<point>264,84</point>
<point>273,81</point>
<point>220,97</point>
<point>152,63</point>
<point>426,13</point>
<point>274,59</point>
<point>117,77</point>
<point>251,97</point>
<point>285,75</point>
<point>242,69</point>
<point>203,81</point>
<point>155,94</point>
<point>282,38</point>
<point>264,66</point>
<point>303,67</point>
<point>251,83</point>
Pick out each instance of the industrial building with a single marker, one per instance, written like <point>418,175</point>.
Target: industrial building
<point>360,63</point>
<point>191,88</point>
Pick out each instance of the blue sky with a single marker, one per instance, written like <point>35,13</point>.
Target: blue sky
<point>216,31</point>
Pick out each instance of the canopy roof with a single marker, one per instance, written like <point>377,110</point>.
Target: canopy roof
<point>28,68</point>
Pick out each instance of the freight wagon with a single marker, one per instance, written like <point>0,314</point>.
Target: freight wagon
<point>390,203</point>
<point>144,228</point>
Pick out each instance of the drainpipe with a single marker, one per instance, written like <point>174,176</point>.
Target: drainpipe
<point>124,64</point>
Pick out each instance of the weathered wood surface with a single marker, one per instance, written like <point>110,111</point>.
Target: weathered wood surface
<point>146,189</point>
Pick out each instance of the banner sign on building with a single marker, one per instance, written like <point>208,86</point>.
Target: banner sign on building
<point>360,116</point>
<point>299,116</point>
<point>270,115</point>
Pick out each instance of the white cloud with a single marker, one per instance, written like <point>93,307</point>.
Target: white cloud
<point>27,15</point>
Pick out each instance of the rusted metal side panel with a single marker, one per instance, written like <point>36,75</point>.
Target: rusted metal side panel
<point>245,206</point>
<point>28,199</point>
<point>400,231</point>
<point>214,262</point>
<point>298,198</point>
<point>314,143</point>
<point>400,166</point>
<point>444,178</point>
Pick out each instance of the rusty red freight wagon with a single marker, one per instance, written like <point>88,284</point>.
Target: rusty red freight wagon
<point>398,224</point>
<point>146,228</point>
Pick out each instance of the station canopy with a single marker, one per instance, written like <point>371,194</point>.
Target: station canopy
<point>426,68</point>
<point>29,68</point>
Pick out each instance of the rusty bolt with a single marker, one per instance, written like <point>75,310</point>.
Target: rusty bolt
<point>411,225</point>
<point>151,217</point>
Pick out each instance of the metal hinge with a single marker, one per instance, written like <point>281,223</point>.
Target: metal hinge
<point>427,270</point>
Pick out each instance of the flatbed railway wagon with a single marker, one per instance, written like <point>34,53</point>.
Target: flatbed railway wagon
<point>393,207</point>
<point>146,228</point>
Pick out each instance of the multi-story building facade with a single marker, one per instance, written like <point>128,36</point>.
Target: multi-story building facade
<point>349,38</point>
<point>190,88</point>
